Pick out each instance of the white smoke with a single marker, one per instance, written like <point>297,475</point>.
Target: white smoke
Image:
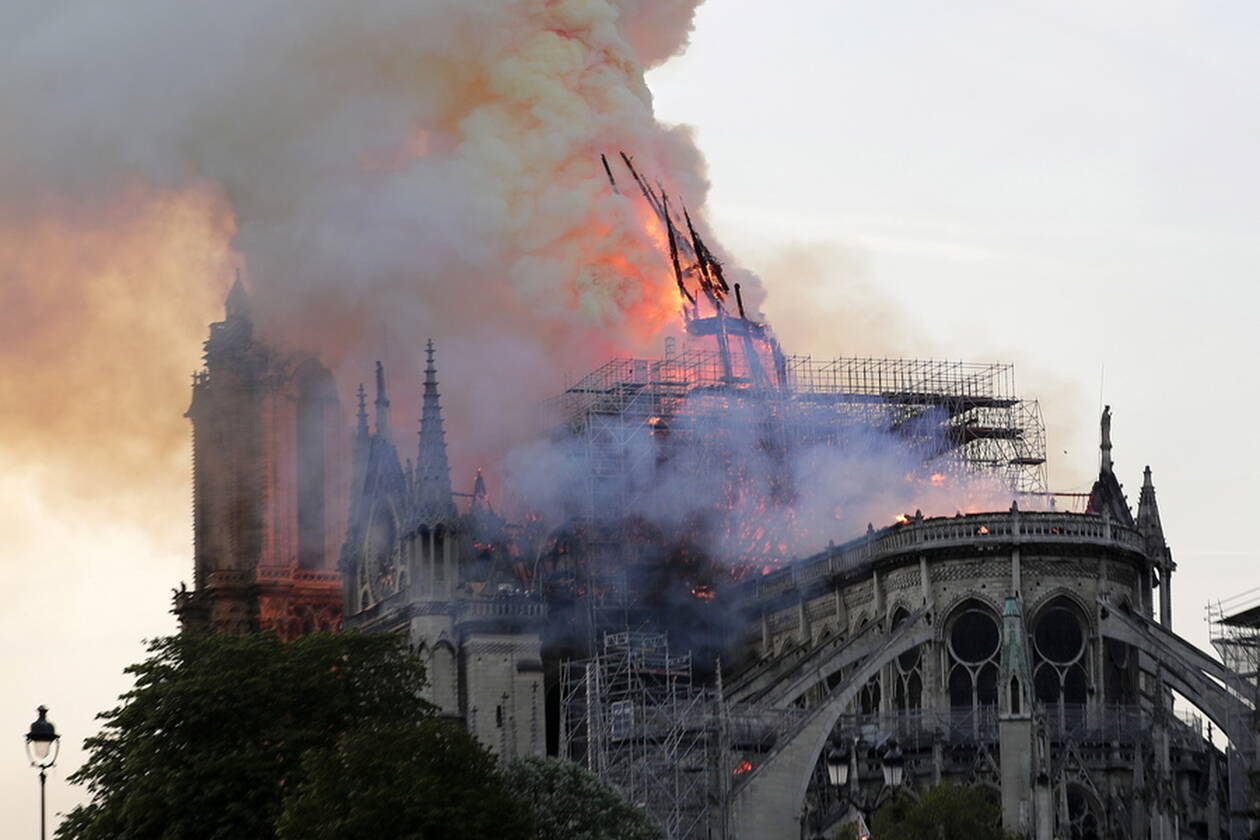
<point>736,481</point>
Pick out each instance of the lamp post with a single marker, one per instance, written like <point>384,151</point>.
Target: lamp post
<point>42,746</point>
<point>894,766</point>
<point>842,774</point>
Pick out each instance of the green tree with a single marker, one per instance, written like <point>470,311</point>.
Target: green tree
<point>848,831</point>
<point>946,812</point>
<point>568,803</point>
<point>403,782</point>
<point>211,736</point>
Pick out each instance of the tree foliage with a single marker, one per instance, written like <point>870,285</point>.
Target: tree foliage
<point>947,812</point>
<point>211,737</point>
<point>847,831</point>
<point>403,782</point>
<point>569,803</point>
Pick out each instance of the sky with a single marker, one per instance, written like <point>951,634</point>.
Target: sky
<point>1071,187</point>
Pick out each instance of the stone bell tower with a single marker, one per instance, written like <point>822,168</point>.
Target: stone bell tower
<point>267,486</point>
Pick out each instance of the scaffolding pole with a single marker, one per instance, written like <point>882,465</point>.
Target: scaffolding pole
<point>632,716</point>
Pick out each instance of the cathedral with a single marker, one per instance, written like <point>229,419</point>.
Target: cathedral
<point>292,536</point>
<point>1029,653</point>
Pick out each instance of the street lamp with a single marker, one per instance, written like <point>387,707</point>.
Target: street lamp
<point>838,765</point>
<point>841,770</point>
<point>42,746</point>
<point>894,765</point>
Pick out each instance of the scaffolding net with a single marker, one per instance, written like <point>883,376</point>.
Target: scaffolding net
<point>632,716</point>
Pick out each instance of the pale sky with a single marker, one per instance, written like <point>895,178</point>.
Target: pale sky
<point>1070,186</point>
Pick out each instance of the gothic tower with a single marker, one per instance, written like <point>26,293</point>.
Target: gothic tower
<point>267,486</point>
<point>415,565</point>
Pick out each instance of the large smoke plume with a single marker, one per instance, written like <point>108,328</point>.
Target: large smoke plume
<point>385,173</point>
<point>389,171</point>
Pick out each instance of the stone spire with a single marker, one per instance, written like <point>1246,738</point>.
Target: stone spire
<point>1148,511</point>
<point>238,300</point>
<point>1105,439</point>
<point>361,429</point>
<point>434,500</point>
<point>382,403</point>
<point>1152,530</point>
<point>231,340</point>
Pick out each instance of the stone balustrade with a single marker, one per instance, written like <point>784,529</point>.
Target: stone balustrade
<point>1006,529</point>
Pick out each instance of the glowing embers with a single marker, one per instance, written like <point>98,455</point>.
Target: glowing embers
<point>972,652</point>
<point>1059,654</point>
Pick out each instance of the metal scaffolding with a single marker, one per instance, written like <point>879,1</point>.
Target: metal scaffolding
<point>632,716</point>
<point>1234,629</point>
<point>630,415</point>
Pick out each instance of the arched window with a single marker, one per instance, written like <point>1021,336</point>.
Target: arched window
<point>972,651</point>
<point>1083,818</point>
<point>869,697</point>
<point>1059,648</point>
<point>906,672</point>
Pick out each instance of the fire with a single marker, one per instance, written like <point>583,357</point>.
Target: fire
<point>704,592</point>
<point>741,768</point>
<point>902,519</point>
<point>982,530</point>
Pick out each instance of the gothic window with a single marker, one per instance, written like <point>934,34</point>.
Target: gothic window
<point>380,572</point>
<point>868,697</point>
<point>906,673</point>
<point>1082,816</point>
<point>1059,675</point>
<point>972,651</point>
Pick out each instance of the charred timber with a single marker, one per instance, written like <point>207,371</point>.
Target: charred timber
<point>729,325</point>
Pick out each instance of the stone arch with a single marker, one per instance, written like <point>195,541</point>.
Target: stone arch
<point>1185,669</point>
<point>1062,592</point>
<point>950,607</point>
<point>826,630</point>
<point>770,795</point>
<point>860,620</point>
<point>898,607</point>
<point>380,567</point>
<point>1085,812</point>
